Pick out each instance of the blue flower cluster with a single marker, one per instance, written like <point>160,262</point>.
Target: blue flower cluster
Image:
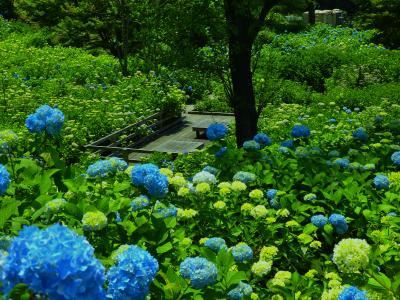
<point>215,244</point>
<point>166,212</point>
<point>149,175</point>
<point>204,176</point>
<point>347,110</point>
<point>352,293</point>
<point>263,139</point>
<point>342,162</point>
<point>396,158</point>
<point>319,220</point>
<point>251,145</point>
<point>156,185</point>
<point>4,179</point>
<point>221,151</point>
<point>299,131</point>
<point>288,144</point>
<point>378,119</point>
<point>360,134</point>
<point>140,203</point>
<point>199,271</point>
<point>333,153</point>
<point>216,131</point>
<point>46,119</point>
<point>242,252</point>
<point>271,193</point>
<point>140,171</point>
<point>118,164</point>
<point>100,168</point>
<point>131,277</point>
<point>56,262</point>
<point>240,291</point>
<point>381,182</point>
<point>333,120</point>
<point>210,169</point>
<point>244,177</point>
<point>273,201</point>
<point>339,223</point>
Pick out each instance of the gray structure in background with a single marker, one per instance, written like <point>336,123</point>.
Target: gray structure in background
<point>333,17</point>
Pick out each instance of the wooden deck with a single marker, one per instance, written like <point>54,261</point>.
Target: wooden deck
<point>182,138</point>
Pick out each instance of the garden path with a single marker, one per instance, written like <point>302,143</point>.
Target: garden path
<point>182,138</point>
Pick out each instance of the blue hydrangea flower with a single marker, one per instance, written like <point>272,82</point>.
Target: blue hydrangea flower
<point>34,124</point>
<point>360,134</point>
<point>56,262</point>
<point>263,139</point>
<point>118,164</point>
<point>333,153</point>
<point>319,220</point>
<point>381,182</point>
<point>166,212</point>
<point>347,110</point>
<point>216,131</point>
<point>118,217</point>
<point>242,252</point>
<point>199,271</point>
<point>156,185</point>
<point>396,158</point>
<point>333,120</point>
<point>221,151</point>
<point>378,119</point>
<point>140,203</point>
<point>100,168</point>
<point>251,146</point>
<point>4,179</point>
<point>244,177</point>
<point>45,118</point>
<point>275,203</point>
<point>288,144</point>
<point>271,193</point>
<point>140,171</point>
<point>131,277</point>
<point>341,162</point>
<point>392,214</point>
<point>300,131</point>
<point>283,150</point>
<point>240,291</point>
<point>54,122</point>
<point>338,221</point>
<point>216,244</point>
<point>210,169</point>
<point>204,176</point>
<point>352,293</point>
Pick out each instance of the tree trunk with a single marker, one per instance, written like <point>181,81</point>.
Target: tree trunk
<point>242,31</point>
<point>311,13</point>
<point>243,94</point>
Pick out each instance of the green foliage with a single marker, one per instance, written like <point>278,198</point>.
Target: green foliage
<point>382,15</point>
<point>75,81</point>
<point>303,250</point>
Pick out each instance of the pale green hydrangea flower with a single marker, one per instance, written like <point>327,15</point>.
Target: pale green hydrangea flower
<point>351,255</point>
